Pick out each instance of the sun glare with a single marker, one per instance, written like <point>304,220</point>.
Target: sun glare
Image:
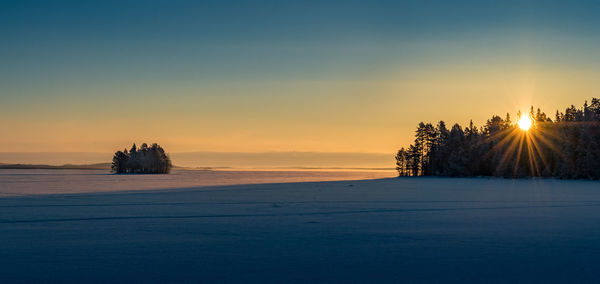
<point>525,123</point>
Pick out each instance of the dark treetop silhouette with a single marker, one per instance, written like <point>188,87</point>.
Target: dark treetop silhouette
<point>145,160</point>
<point>568,147</point>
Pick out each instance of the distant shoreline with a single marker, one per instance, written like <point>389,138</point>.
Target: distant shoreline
<point>106,166</point>
<point>213,160</point>
<point>98,166</point>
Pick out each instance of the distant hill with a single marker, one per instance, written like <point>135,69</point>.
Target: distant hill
<point>55,158</point>
<point>97,166</point>
<point>220,160</point>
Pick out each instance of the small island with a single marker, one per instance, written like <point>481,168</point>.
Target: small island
<point>145,160</point>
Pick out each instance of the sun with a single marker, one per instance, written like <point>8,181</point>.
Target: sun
<point>525,123</point>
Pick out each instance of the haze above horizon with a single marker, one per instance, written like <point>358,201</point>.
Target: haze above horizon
<point>237,160</point>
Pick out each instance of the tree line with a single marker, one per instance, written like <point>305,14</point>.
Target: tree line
<point>567,147</point>
<point>145,160</point>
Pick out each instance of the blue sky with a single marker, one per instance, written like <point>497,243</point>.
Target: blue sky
<point>334,71</point>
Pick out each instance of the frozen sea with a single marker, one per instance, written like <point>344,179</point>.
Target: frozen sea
<point>416,230</point>
<point>18,182</point>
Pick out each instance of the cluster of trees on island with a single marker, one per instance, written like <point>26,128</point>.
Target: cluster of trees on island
<point>145,160</point>
<point>567,146</point>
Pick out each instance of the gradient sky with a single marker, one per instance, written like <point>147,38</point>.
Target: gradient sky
<point>333,76</point>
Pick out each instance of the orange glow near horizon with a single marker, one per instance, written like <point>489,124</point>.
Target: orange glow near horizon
<point>374,115</point>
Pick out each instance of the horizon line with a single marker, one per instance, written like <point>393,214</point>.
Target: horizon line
<point>186,152</point>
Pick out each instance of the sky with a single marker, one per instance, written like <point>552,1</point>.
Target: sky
<point>260,76</point>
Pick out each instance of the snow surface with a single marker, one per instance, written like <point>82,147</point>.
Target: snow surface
<point>386,230</point>
<point>15,182</point>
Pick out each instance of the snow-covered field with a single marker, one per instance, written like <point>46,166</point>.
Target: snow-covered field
<point>385,230</point>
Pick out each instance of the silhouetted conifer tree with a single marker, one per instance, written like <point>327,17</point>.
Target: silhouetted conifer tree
<point>401,162</point>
